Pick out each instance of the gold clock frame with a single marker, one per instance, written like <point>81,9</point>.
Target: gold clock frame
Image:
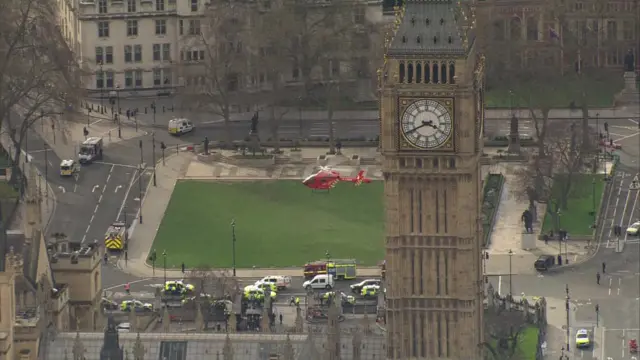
<point>405,145</point>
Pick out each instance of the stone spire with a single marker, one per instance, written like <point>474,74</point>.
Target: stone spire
<point>166,320</point>
<point>199,322</point>
<point>366,324</point>
<point>357,345</point>
<point>14,261</point>
<point>111,349</point>
<point>333,331</point>
<point>287,352</point>
<point>66,354</point>
<point>232,323</point>
<point>138,350</point>
<point>265,320</point>
<point>227,350</point>
<point>299,322</point>
<point>78,348</point>
<point>126,354</point>
<point>133,320</point>
<point>310,345</point>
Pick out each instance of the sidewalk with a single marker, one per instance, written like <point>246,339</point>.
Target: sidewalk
<point>507,233</point>
<point>64,138</point>
<point>154,206</point>
<point>316,115</point>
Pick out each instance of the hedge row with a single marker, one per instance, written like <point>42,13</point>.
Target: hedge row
<point>490,202</point>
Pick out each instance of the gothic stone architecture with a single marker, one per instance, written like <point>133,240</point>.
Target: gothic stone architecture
<point>431,95</point>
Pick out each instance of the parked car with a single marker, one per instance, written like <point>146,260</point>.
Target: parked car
<point>544,262</point>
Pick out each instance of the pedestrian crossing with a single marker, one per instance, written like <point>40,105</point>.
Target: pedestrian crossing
<point>613,243</point>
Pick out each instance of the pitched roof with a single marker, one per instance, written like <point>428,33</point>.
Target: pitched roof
<point>428,27</point>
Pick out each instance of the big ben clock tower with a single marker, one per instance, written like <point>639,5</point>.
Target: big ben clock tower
<point>431,110</point>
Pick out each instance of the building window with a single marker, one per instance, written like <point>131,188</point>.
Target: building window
<point>99,55</point>
<point>613,57</point>
<point>295,73</point>
<point>137,75</point>
<point>181,27</point>
<point>131,5</point>
<point>137,53</point>
<point>102,6</point>
<point>108,55</point>
<point>128,54</point>
<point>109,79</point>
<point>359,15</point>
<point>161,77</point>
<point>166,52</point>
<point>194,27</point>
<point>156,52</point>
<point>627,30</point>
<point>100,80</point>
<point>612,30</point>
<point>532,29</point>
<point>159,5</point>
<point>128,79</point>
<point>103,29</point>
<point>132,27</point>
<point>161,27</point>
<point>194,5</point>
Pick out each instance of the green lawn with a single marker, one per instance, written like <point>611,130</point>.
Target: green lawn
<point>600,92</point>
<point>7,191</point>
<point>577,219</point>
<point>278,224</point>
<point>528,343</point>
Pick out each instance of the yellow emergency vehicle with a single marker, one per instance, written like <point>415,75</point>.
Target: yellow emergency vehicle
<point>68,167</point>
<point>342,269</point>
<point>115,237</point>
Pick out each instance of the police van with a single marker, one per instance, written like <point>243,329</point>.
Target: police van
<point>179,126</point>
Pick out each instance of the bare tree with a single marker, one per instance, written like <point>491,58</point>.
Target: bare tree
<point>551,173</point>
<point>220,284</point>
<point>39,76</point>
<point>213,77</point>
<point>503,327</point>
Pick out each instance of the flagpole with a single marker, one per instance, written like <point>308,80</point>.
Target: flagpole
<point>560,32</point>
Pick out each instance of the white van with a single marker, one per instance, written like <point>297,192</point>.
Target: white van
<point>322,281</point>
<point>281,282</point>
<point>179,126</point>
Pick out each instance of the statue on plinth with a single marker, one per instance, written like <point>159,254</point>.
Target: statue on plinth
<point>629,62</point>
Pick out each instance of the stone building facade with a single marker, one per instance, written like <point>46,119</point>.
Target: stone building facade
<point>431,110</point>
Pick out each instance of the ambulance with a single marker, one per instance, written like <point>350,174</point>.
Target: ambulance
<point>115,237</point>
<point>68,167</point>
<point>90,150</point>
<point>180,126</point>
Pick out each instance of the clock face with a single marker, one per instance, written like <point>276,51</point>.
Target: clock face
<point>426,124</point>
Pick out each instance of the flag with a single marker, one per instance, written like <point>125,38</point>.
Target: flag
<point>553,33</point>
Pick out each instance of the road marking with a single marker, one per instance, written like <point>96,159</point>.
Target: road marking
<point>500,285</point>
<point>628,136</point>
<point>619,285</point>
<point>62,189</point>
<point>131,282</point>
<point>623,341</point>
<point>112,164</point>
<point>633,121</point>
<point>610,282</point>
<point>615,208</point>
<point>75,187</point>
<point>603,338</point>
<point>94,188</point>
<point>95,210</point>
<point>126,194</point>
<point>117,188</point>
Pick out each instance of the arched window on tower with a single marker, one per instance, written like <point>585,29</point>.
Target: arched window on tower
<point>443,73</point>
<point>427,73</point>
<point>419,72</point>
<point>401,72</point>
<point>452,73</point>
<point>434,73</point>
<point>410,73</point>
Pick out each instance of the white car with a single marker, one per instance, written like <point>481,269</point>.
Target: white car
<point>582,338</point>
<point>356,288</point>
<point>281,282</point>
<point>633,229</point>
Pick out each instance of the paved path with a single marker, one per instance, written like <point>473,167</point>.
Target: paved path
<point>508,232</point>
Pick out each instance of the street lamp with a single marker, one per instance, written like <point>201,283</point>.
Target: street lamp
<point>233,246</point>
<point>510,273</point>
<point>101,86</point>
<point>568,313</point>
<point>118,111</point>
<point>593,198</point>
<point>153,154</point>
<point>140,179</point>
<point>164,264</point>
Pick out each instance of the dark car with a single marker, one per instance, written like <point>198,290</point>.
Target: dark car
<point>544,262</point>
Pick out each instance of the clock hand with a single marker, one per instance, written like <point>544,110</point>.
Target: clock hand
<point>424,123</point>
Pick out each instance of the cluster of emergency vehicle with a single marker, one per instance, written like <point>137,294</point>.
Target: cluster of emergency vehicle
<point>267,286</point>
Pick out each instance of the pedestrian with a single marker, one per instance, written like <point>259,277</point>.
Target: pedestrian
<point>127,288</point>
<point>292,301</point>
<point>545,237</point>
<point>604,267</point>
<point>183,268</point>
<point>280,318</point>
<point>598,278</point>
<point>106,258</point>
<point>297,302</point>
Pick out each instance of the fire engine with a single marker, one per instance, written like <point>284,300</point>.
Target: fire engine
<point>341,269</point>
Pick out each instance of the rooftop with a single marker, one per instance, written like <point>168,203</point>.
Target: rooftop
<point>428,27</point>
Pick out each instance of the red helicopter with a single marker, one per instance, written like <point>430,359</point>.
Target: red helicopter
<point>326,179</point>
